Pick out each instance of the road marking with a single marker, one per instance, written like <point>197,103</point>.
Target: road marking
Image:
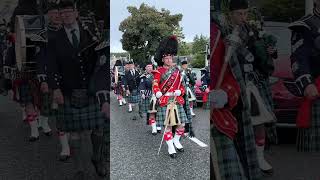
<point>197,141</point>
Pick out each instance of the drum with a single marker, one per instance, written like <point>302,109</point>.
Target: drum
<point>30,36</point>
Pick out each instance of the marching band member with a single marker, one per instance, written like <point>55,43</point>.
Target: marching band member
<point>145,89</point>
<point>205,80</point>
<point>169,88</point>
<point>118,79</point>
<point>55,24</point>
<point>233,140</point>
<point>305,67</point>
<point>81,107</point>
<point>189,82</point>
<point>26,87</point>
<point>131,83</point>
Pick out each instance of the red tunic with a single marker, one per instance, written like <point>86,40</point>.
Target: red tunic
<point>223,119</point>
<point>168,86</point>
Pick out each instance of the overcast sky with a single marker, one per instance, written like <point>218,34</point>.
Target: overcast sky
<point>196,17</point>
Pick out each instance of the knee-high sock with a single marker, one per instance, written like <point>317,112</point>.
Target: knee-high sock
<point>168,138</point>
<point>31,118</point>
<point>78,155</point>
<point>63,138</point>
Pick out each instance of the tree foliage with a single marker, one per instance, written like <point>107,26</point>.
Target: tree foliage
<point>145,28</point>
<point>198,61</point>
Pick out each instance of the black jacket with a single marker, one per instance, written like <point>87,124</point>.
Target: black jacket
<point>131,82</point>
<point>75,66</point>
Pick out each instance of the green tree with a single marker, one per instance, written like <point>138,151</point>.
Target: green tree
<point>198,51</point>
<point>199,44</point>
<point>198,61</point>
<point>145,28</point>
<point>184,49</point>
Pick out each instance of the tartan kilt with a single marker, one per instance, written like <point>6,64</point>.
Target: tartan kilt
<point>118,90</point>
<point>29,92</point>
<point>134,97</point>
<point>46,104</point>
<point>229,163</point>
<point>144,105</point>
<point>308,140</point>
<point>266,95</point>
<point>187,109</point>
<point>79,119</point>
<point>161,115</point>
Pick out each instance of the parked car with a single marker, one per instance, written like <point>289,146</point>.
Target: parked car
<point>197,88</point>
<point>286,104</point>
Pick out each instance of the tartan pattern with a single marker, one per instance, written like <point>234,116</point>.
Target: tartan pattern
<point>29,92</point>
<point>134,97</point>
<point>25,93</point>
<point>144,105</point>
<point>118,90</point>
<point>230,167</point>
<point>73,119</point>
<point>46,104</point>
<point>263,86</point>
<point>161,115</point>
<point>186,107</point>
<point>308,140</point>
<point>167,74</point>
<point>245,139</point>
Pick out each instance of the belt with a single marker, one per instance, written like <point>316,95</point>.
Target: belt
<point>169,94</point>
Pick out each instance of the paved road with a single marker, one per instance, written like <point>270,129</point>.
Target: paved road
<point>134,150</point>
<point>22,160</point>
<point>290,164</point>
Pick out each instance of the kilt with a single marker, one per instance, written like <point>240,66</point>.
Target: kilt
<point>266,94</point>
<point>308,140</point>
<point>161,115</point>
<point>187,109</point>
<point>29,92</point>
<point>134,97</point>
<point>46,104</point>
<point>245,139</point>
<point>229,163</point>
<point>79,119</point>
<point>118,90</point>
<point>144,105</point>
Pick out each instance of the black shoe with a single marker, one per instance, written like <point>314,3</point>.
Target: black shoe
<point>158,131</point>
<point>173,156</point>
<point>180,150</point>
<point>100,167</point>
<point>48,133</point>
<point>33,139</point>
<point>64,158</point>
<point>267,173</point>
<point>154,133</point>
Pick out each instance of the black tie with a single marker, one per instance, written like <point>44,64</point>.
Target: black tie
<point>75,40</point>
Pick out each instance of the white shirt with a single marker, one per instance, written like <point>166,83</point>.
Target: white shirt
<point>69,34</point>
